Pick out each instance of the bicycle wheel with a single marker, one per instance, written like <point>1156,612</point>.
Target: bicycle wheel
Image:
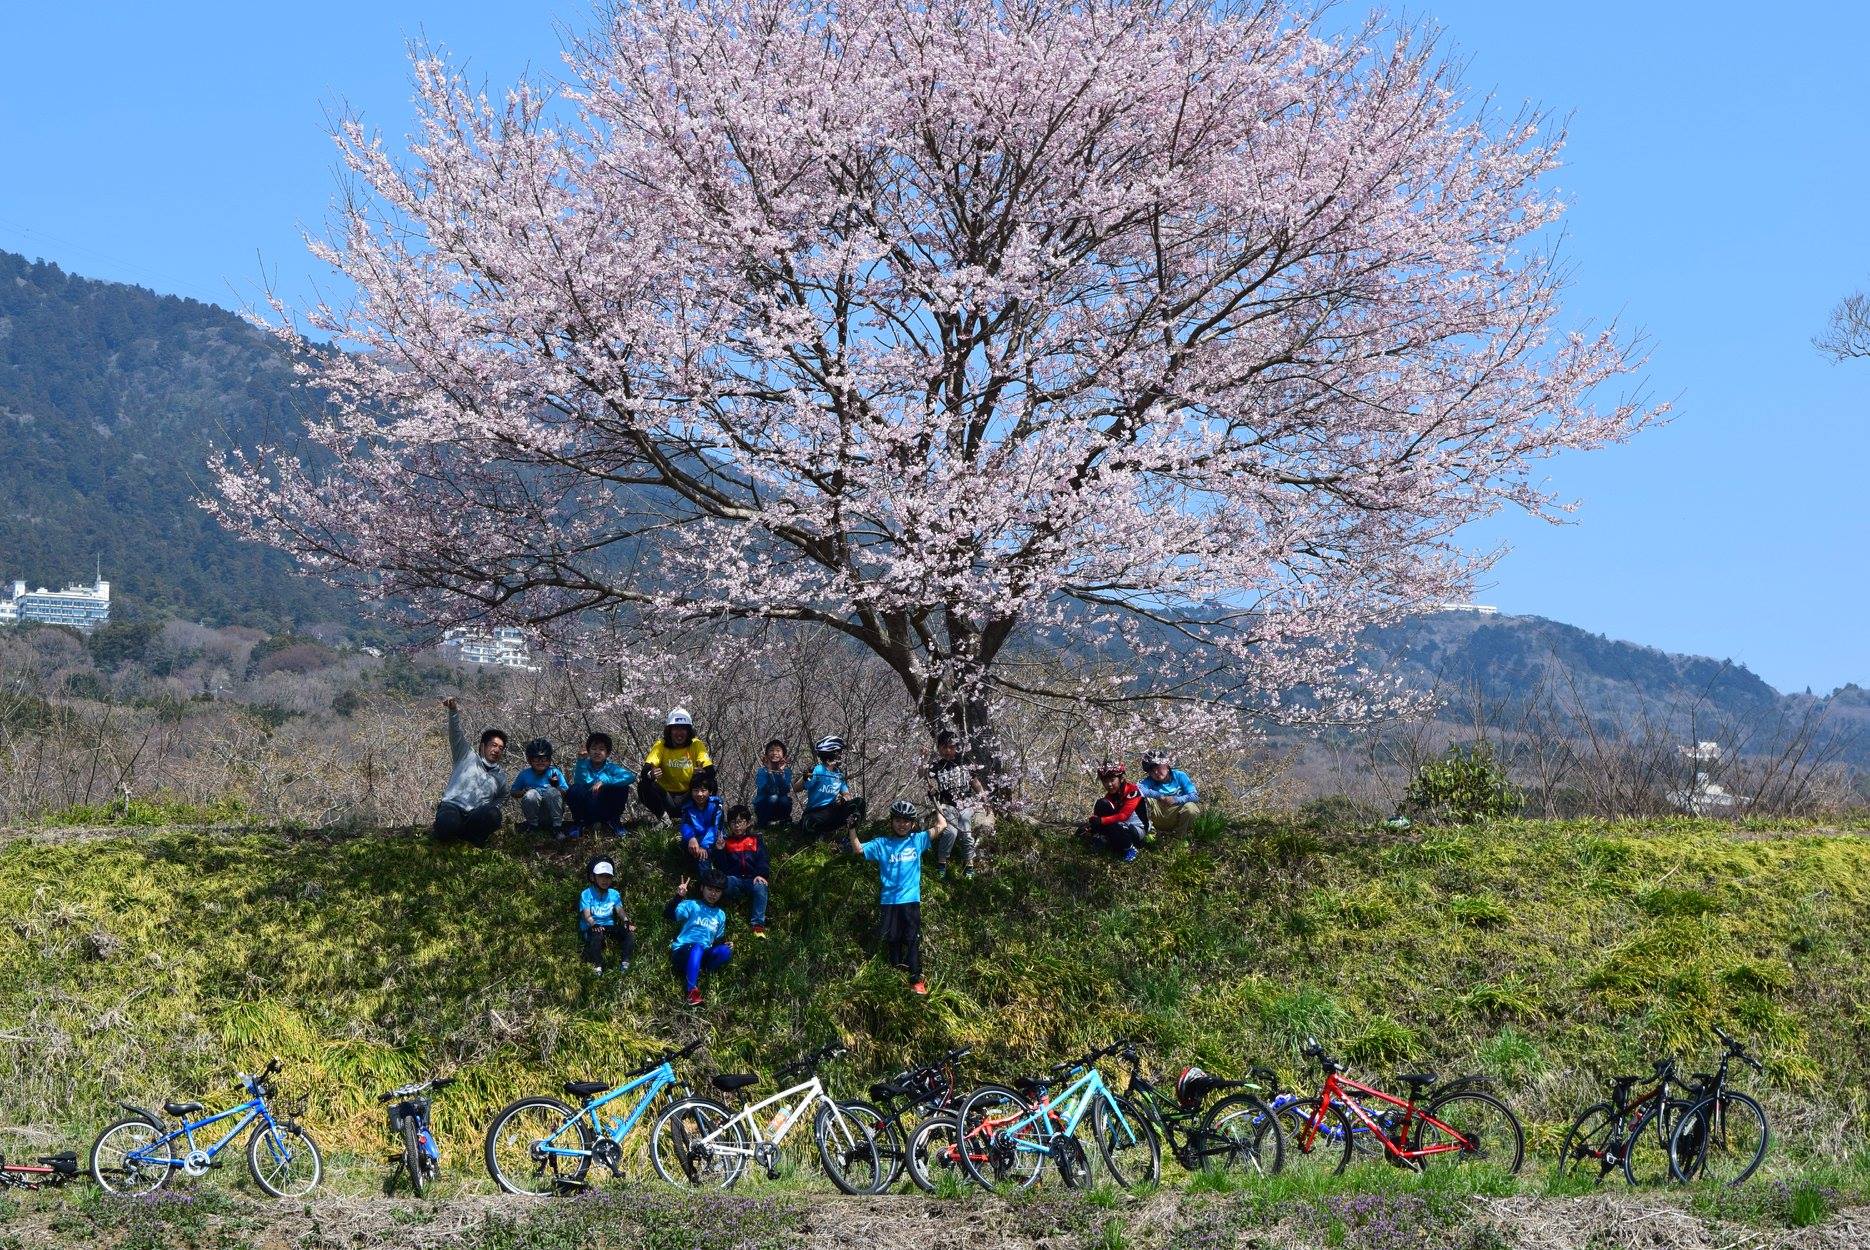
<point>413,1162</point>
<point>538,1147</point>
<point>996,1152</point>
<point>1127,1142</point>
<point>848,1151</point>
<point>892,1151</point>
<point>698,1143</point>
<point>933,1155</point>
<point>1646,1150</point>
<point>1485,1132</point>
<point>1591,1146</point>
<point>114,1168</point>
<point>1240,1133</point>
<point>284,1160</point>
<point>1314,1142</point>
<point>1720,1140</point>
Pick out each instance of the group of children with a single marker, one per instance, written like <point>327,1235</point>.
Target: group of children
<point>724,849</point>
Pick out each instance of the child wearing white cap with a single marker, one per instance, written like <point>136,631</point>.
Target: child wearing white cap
<point>600,916</point>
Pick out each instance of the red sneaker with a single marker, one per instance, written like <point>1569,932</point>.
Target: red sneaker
<point>694,997</point>
<point>759,931</point>
<point>920,986</point>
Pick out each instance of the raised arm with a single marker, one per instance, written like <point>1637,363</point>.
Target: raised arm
<point>458,742</point>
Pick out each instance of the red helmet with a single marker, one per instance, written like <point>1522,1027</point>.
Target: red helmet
<point>1112,767</point>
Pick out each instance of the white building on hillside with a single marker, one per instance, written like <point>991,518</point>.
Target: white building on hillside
<point>505,647</point>
<point>81,607</point>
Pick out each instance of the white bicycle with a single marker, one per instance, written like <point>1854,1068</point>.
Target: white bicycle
<point>699,1143</point>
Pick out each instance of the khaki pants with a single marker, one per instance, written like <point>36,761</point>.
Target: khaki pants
<point>1167,818</point>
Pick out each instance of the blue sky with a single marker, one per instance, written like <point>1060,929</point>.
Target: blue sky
<point>1719,170</point>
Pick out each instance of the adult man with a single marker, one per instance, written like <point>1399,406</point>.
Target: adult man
<point>470,806</point>
<point>1172,798</point>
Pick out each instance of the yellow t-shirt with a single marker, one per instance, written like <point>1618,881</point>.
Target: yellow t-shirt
<point>678,764</point>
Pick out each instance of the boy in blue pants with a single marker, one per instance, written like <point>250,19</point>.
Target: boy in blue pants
<point>699,946</point>
<point>898,857</point>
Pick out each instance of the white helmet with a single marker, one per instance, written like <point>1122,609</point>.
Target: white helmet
<point>679,716</point>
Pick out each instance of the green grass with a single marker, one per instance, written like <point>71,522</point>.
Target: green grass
<point>153,966</point>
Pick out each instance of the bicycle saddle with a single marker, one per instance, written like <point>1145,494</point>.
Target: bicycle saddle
<point>584,1089</point>
<point>181,1108</point>
<point>882,1091</point>
<point>66,1163</point>
<point>1029,1085</point>
<point>1416,1080</point>
<point>728,1082</point>
<point>1624,1082</point>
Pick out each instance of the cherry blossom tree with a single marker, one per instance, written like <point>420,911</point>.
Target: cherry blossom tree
<point>1124,358</point>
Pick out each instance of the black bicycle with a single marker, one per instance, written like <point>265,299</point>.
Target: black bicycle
<point>1628,1133</point>
<point>420,1159</point>
<point>1723,1135</point>
<point>913,1095</point>
<point>1238,1133</point>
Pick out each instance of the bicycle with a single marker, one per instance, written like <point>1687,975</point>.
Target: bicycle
<point>1611,1136</point>
<point>1723,1136</point>
<point>1016,1142</point>
<point>44,1172</point>
<point>928,1090</point>
<point>1238,1131</point>
<point>541,1146</point>
<point>420,1159</point>
<point>698,1142</point>
<point>136,1155</point>
<point>1461,1121</point>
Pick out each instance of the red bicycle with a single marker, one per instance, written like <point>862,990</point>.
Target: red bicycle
<point>47,1171</point>
<point>1457,1123</point>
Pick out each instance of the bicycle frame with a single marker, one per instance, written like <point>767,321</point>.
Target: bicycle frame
<point>658,1079</point>
<point>1334,1090</point>
<point>810,1094</point>
<point>1079,1097</point>
<point>253,1109</point>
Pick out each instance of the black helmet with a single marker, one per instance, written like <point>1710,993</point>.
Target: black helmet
<point>1153,758</point>
<point>538,747</point>
<point>905,809</point>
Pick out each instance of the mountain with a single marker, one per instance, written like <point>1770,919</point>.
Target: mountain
<point>110,397</point>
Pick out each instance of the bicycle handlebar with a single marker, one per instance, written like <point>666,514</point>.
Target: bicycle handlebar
<point>807,1064</point>
<point>667,1056</point>
<point>1738,1050</point>
<point>410,1091</point>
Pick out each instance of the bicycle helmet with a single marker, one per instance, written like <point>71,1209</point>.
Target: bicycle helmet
<point>1153,758</point>
<point>1112,767</point>
<point>679,717</point>
<point>1192,1086</point>
<point>905,809</point>
<point>538,747</point>
<point>829,746</point>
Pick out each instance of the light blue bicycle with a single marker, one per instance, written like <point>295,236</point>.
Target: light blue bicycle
<point>541,1146</point>
<point>138,1154</point>
<point>1008,1141</point>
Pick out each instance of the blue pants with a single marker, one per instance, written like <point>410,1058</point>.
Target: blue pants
<point>772,809</point>
<point>756,890</point>
<point>689,960</point>
<point>605,807</point>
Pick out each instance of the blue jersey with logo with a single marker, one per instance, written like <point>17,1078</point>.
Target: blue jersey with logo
<point>899,863</point>
<point>825,787</point>
<point>702,925</point>
<point>606,906</point>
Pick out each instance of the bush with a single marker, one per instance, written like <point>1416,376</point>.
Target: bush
<point>1466,786</point>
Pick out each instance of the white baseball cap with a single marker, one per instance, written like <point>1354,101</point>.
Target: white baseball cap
<point>602,868</point>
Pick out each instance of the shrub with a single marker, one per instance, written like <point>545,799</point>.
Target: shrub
<point>1467,786</point>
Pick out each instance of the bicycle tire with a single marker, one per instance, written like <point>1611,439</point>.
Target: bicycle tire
<point>412,1156</point>
<point>111,1174</point>
<point>892,1149</point>
<point>989,1158</point>
<point>1591,1144</point>
<point>1646,1158</point>
<point>1324,1147</point>
<point>287,1145</point>
<point>1249,1128</point>
<point>516,1163</point>
<point>678,1157</point>
<point>852,1162</point>
<point>934,1152</point>
<point>1706,1146</point>
<point>1120,1149</point>
<point>1490,1133</point>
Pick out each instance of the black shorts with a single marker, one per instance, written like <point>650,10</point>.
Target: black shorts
<point>902,922</point>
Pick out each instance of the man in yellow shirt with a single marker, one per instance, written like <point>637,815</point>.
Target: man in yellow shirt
<point>671,765</point>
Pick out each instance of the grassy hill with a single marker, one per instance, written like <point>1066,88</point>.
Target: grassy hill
<point>153,965</point>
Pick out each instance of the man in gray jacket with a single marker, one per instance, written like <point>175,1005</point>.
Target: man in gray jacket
<point>470,806</point>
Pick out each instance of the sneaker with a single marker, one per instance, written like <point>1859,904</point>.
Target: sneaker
<point>941,870</point>
<point>1129,856</point>
<point>620,829</point>
<point>759,931</point>
<point>694,997</point>
<point>597,970</point>
<point>624,966</point>
<point>967,871</point>
<point>919,986</point>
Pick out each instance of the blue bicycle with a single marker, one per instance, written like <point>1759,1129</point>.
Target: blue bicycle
<point>541,1146</point>
<point>138,1154</point>
<point>1010,1140</point>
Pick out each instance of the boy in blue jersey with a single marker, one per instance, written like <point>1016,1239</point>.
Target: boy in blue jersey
<point>772,787</point>
<point>540,788</point>
<point>1169,796</point>
<point>898,857</point>
<point>829,806</point>
<point>601,918</point>
<point>700,826</point>
<point>700,945</point>
<point>600,786</point>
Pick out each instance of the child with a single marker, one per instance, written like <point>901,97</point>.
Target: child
<point>829,806</point>
<point>600,787</point>
<point>1169,796</point>
<point>540,789</point>
<point>956,790</point>
<point>740,856</point>
<point>600,916</point>
<point>701,819</point>
<point>1118,816</point>
<point>772,787</point>
<point>898,857</point>
<point>698,946</point>
<point>670,765</point>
